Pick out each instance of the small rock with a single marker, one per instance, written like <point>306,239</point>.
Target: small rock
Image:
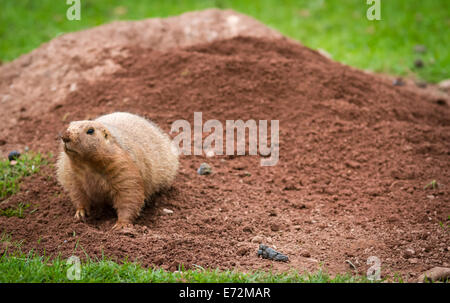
<point>398,82</point>
<point>408,253</point>
<point>167,211</point>
<point>13,162</point>
<point>414,261</point>
<point>435,274</point>
<point>257,239</point>
<point>204,169</point>
<point>444,85</point>
<point>210,153</point>
<point>269,253</point>
<point>275,227</point>
<point>14,155</point>
<point>431,197</point>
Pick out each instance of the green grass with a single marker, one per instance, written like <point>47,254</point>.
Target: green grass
<point>11,174</point>
<point>31,268</point>
<point>17,211</point>
<point>338,26</point>
<point>19,267</point>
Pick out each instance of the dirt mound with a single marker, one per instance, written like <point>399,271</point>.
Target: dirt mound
<point>45,76</point>
<point>355,155</point>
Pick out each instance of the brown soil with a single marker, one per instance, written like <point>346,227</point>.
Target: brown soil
<point>355,155</point>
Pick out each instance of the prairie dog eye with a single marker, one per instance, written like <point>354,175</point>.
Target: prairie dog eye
<point>90,131</point>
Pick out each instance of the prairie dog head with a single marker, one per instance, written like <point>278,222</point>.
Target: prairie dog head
<point>85,139</point>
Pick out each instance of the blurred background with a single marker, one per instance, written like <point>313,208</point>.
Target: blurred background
<point>410,40</point>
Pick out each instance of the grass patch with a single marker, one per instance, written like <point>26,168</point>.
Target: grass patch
<point>18,267</point>
<point>338,26</point>
<point>11,173</point>
<point>31,268</point>
<point>17,211</point>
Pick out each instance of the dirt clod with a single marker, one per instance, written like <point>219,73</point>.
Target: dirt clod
<point>204,169</point>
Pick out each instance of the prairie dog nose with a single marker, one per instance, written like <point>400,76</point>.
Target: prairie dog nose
<point>66,137</point>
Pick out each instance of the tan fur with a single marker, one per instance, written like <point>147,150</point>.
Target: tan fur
<point>124,161</point>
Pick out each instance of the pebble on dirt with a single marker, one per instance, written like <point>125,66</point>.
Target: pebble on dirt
<point>408,253</point>
<point>444,85</point>
<point>167,211</point>
<point>257,239</point>
<point>269,253</point>
<point>14,155</point>
<point>275,227</point>
<point>204,169</point>
<point>398,82</point>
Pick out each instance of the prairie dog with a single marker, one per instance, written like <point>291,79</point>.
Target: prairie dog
<point>119,158</point>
